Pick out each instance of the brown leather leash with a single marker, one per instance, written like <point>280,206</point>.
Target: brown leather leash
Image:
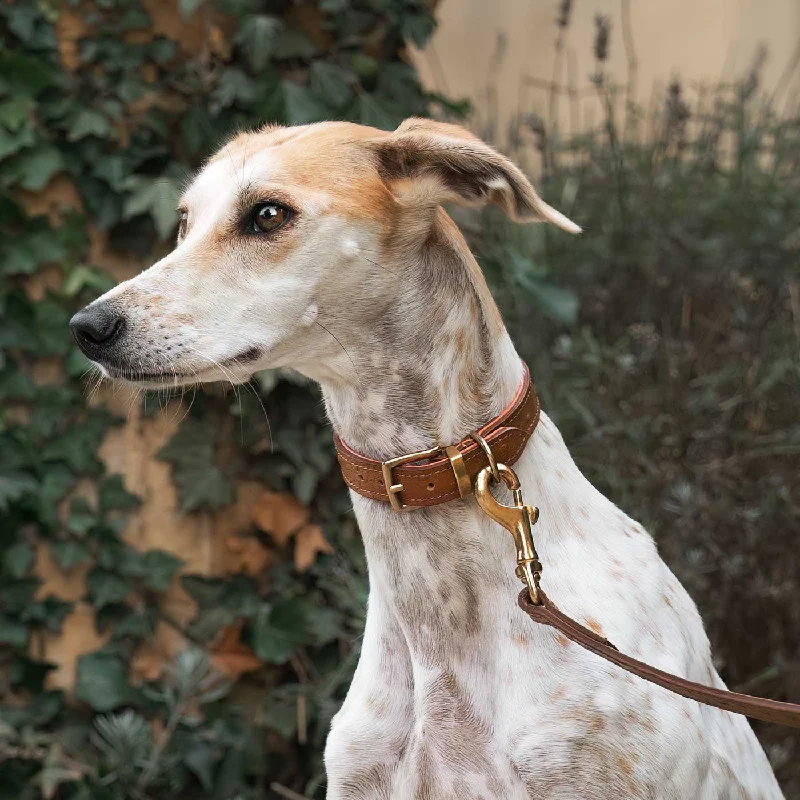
<point>469,468</point>
<point>547,613</point>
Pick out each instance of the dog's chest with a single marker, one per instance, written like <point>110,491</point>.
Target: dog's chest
<point>564,728</point>
<point>518,712</point>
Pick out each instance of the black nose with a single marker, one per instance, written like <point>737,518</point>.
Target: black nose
<point>95,328</point>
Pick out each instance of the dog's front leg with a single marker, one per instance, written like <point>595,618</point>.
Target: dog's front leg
<point>368,734</point>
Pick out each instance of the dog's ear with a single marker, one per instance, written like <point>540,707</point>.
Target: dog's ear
<point>427,163</point>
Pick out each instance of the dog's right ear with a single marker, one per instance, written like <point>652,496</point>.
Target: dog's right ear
<point>425,163</point>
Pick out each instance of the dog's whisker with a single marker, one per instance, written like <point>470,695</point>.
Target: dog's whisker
<point>249,385</point>
<point>338,341</point>
<point>379,266</point>
<point>189,408</point>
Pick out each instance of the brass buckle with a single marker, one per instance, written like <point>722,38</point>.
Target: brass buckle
<point>387,468</point>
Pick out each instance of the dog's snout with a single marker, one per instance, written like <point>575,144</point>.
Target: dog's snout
<point>95,328</point>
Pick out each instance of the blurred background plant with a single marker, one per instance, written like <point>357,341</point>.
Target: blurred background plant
<point>192,637</point>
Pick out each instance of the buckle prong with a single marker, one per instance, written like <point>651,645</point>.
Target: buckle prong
<point>387,468</point>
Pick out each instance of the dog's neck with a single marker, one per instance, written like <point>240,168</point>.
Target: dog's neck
<point>436,363</point>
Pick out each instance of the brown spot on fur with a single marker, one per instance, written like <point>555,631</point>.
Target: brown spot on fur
<point>625,765</point>
<point>558,694</point>
<point>594,625</point>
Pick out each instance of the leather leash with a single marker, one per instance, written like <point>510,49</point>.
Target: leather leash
<point>547,613</point>
<point>469,468</point>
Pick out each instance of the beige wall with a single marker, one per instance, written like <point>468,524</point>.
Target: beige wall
<point>698,40</point>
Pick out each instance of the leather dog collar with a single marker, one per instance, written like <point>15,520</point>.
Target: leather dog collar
<point>444,473</point>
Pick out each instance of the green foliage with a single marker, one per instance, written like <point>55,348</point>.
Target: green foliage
<point>88,120</point>
<point>199,481</point>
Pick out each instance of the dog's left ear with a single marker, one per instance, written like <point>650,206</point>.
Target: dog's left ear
<point>429,163</point>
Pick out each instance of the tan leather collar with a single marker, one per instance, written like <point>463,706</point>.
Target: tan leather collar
<point>443,473</point>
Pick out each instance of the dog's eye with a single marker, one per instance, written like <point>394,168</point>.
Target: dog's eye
<point>268,217</point>
<point>183,224</point>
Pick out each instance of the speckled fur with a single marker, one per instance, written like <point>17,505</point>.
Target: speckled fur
<point>374,294</point>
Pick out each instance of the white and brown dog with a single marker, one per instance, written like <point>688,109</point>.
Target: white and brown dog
<point>325,248</point>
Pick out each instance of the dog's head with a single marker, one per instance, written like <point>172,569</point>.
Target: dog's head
<point>282,229</point>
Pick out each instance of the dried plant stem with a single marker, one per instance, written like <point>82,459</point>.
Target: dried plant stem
<point>572,87</point>
<point>786,76</point>
<point>285,791</point>
<point>633,63</point>
<point>794,302</point>
<point>552,101</point>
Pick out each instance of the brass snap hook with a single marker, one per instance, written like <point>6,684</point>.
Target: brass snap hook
<point>516,519</point>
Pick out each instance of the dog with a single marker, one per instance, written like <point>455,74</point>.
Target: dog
<point>325,248</point>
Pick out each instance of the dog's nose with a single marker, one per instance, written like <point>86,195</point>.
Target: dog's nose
<point>95,328</point>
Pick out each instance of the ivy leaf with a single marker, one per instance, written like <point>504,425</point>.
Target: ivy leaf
<point>58,480</point>
<point>18,559</point>
<point>30,252</point>
<point>157,197</point>
<point>13,486</point>
<point>332,82</point>
<point>81,517</point>
<point>200,483</point>
<point>16,596</point>
<point>200,758</point>
<point>77,446</point>
<point>11,143</point>
<point>294,44</point>
<point>15,384</point>
<point>159,569</point>
<point>365,66</point>
<point>82,277</point>
<point>302,105</point>
<point>374,113</point>
<point>29,75</point>
<point>418,27</point>
<point>279,630</point>
<point>114,496</point>
<point>30,674</point>
<point>88,122</point>
<point>13,632</point>
<point>106,587</point>
<point>39,167</point>
<point>188,7</point>
<point>68,553</point>
<point>234,85</point>
<point>138,626</point>
<point>102,681</point>
<point>257,35</point>
<point>16,111</point>
<point>49,613</point>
